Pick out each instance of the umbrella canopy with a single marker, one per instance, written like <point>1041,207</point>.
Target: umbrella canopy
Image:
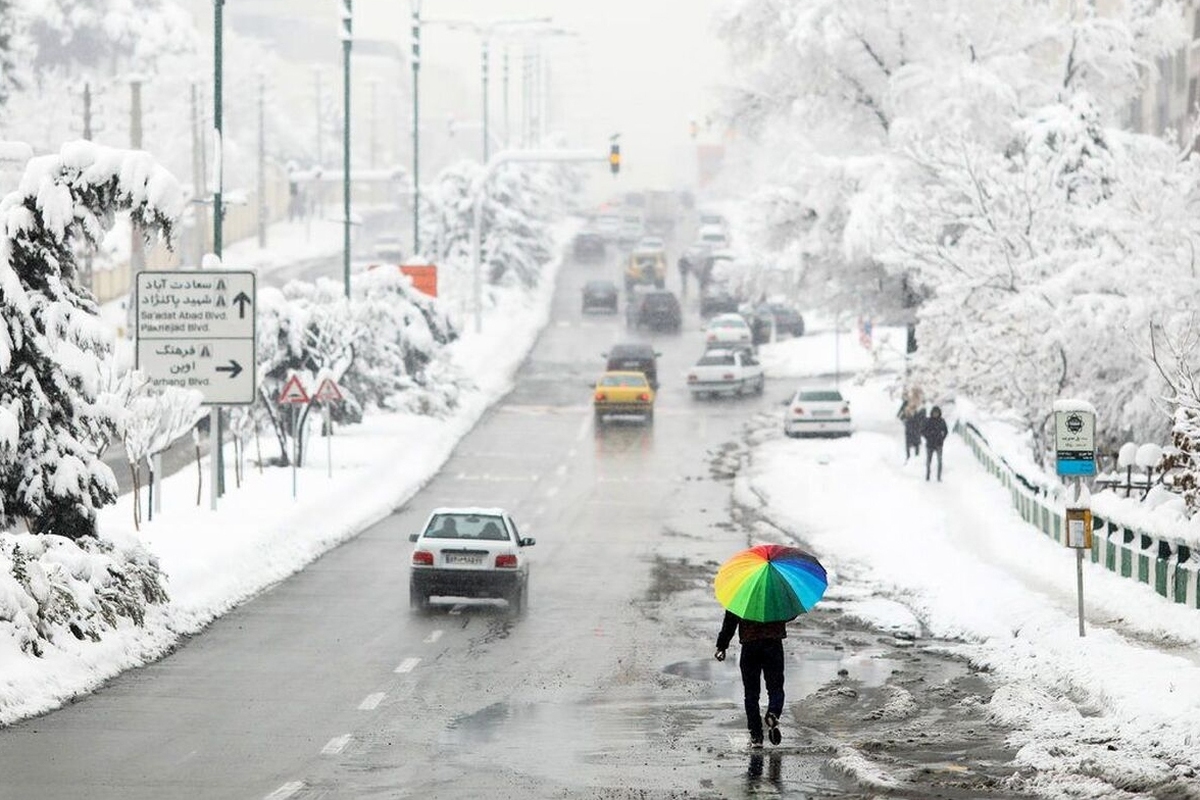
<point>770,583</point>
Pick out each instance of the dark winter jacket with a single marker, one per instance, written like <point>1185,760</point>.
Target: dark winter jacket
<point>748,631</point>
<point>934,429</point>
<point>914,423</point>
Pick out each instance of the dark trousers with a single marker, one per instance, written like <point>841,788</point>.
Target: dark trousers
<point>912,444</point>
<point>762,658</point>
<point>929,453</point>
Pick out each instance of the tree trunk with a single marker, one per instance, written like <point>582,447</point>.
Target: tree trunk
<point>137,496</point>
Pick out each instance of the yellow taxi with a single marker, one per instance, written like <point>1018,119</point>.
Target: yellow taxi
<point>646,268</point>
<point>621,393</point>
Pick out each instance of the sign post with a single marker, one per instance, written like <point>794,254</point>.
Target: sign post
<point>327,393</point>
<point>195,329</point>
<point>1075,457</point>
<point>293,394</point>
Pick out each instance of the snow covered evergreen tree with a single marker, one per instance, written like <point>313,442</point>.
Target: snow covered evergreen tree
<point>52,343</point>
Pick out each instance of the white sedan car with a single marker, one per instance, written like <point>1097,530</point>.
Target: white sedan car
<point>817,412</point>
<point>727,329</point>
<point>470,552</point>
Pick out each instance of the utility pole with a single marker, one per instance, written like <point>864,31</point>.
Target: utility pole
<point>217,456</point>
<point>87,111</point>
<point>137,244</point>
<point>199,171</point>
<point>416,125</point>
<point>88,265</point>
<point>507,129</point>
<point>262,160</point>
<point>347,40</point>
<point>484,63</point>
<point>374,143</point>
<point>320,149</point>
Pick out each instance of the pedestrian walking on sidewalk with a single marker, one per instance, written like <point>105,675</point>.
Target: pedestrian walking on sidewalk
<point>934,430</point>
<point>912,414</point>
<point>761,662</point>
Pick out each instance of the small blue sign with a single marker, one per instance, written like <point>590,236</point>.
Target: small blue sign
<point>1073,467</point>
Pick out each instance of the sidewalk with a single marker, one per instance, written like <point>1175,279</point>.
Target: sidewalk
<point>960,557</point>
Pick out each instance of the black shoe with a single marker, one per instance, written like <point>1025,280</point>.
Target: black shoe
<point>756,742</point>
<point>772,722</point>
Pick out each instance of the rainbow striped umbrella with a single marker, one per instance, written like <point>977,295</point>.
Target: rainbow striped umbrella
<point>770,583</point>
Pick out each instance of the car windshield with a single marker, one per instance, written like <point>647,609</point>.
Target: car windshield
<point>820,396</point>
<point>623,380</point>
<point>488,527</point>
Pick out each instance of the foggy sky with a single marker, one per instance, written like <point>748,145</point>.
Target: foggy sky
<point>644,68</point>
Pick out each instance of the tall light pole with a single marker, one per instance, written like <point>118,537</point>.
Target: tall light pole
<point>347,31</point>
<point>486,31</point>
<point>416,124</point>
<point>217,456</point>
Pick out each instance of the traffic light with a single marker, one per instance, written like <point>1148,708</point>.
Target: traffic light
<point>614,158</point>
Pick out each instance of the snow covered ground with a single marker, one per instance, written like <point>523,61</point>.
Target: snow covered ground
<point>1121,704</point>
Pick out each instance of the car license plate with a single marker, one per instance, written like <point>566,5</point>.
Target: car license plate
<point>462,558</point>
<point>822,413</point>
<point>630,364</point>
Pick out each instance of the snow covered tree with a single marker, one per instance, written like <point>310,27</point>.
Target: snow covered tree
<point>52,341</point>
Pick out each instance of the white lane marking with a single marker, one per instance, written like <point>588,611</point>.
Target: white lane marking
<point>433,637</point>
<point>336,745</point>
<point>560,470</point>
<point>584,425</point>
<point>285,791</point>
<point>571,453</point>
<point>372,701</point>
<point>408,665</point>
<point>553,490</point>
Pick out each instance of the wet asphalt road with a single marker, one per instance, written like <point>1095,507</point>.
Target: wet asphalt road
<point>327,686</point>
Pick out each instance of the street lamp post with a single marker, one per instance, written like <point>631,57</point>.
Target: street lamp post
<point>217,439</point>
<point>486,32</point>
<point>416,124</point>
<point>347,32</point>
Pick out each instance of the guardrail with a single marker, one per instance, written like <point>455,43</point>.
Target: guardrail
<point>1169,566</point>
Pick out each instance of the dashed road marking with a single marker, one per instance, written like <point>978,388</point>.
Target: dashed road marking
<point>553,490</point>
<point>408,665</point>
<point>372,701</point>
<point>584,425</point>
<point>285,791</point>
<point>560,470</point>
<point>433,636</point>
<point>335,745</point>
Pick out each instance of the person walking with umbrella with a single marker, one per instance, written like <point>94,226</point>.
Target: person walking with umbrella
<point>762,588</point>
<point>761,661</point>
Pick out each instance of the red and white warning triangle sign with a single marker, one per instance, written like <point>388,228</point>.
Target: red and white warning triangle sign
<point>328,392</point>
<point>293,391</point>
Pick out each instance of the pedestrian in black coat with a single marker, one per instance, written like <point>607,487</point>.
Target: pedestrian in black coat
<point>912,414</point>
<point>762,654</point>
<point>934,430</point>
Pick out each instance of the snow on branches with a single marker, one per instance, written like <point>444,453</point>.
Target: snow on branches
<point>52,343</point>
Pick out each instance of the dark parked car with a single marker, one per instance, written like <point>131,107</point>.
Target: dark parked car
<point>633,356</point>
<point>588,246</point>
<point>600,295</point>
<point>716,299</point>
<point>658,310</point>
<point>787,319</point>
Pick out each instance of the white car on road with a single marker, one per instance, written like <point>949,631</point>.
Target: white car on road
<point>817,412</point>
<point>469,552</point>
<point>734,370</point>
<point>727,329</point>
